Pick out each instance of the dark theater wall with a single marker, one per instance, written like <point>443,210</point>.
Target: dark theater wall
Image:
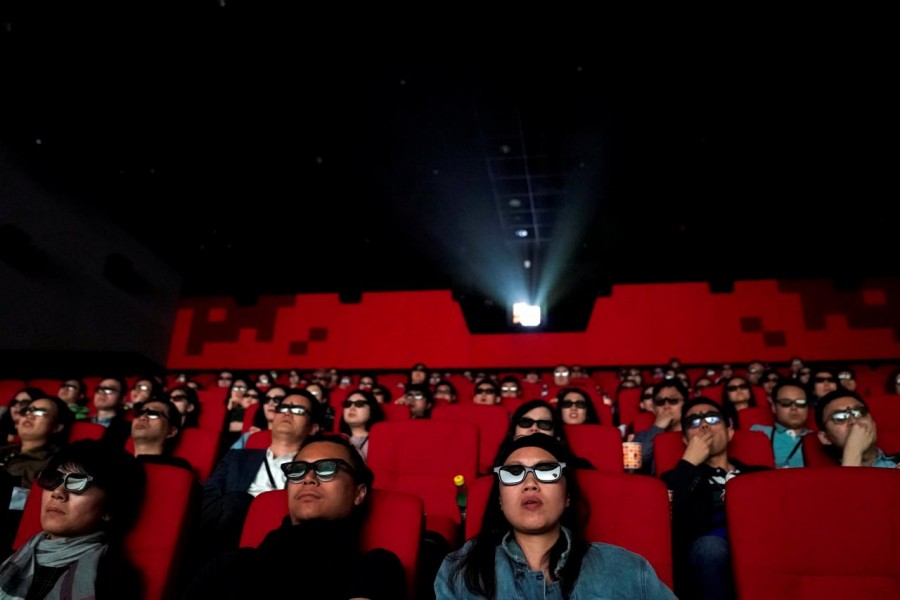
<point>638,324</point>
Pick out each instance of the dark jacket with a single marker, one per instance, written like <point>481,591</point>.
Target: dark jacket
<point>320,559</point>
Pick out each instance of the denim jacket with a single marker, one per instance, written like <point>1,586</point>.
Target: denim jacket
<point>607,572</point>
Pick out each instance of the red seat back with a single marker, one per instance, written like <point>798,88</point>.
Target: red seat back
<point>85,430</point>
<point>756,415</point>
<point>885,411</point>
<point>600,444</point>
<point>156,543</point>
<point>422,457</point>
<point>212,409</point>
<point>816,560</point>
<point>631,511</point>
<point>395,412</point>
<point>492,423</point>
<point>395,522</point>
<point>198,447</point>
<point>629,401</point>
<point>259,440</point>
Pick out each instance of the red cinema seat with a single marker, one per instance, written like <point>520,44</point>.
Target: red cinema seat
<point>756,415</point>
<point>643,421</point>
<point>629,401</point>
<point>631,511</point>
<point>395,522</point>
<point>198,447</point>
<point>817,559</point>
<point>600,444</point>
<point>156,543</point>
<point>48,386</point>
<point>395,412</point>
<point>85,430</point>
<point>885,410</point>
<point>259,440</point>
<point>212,409</point>
<point>492,422</point>
<point>422,457</point>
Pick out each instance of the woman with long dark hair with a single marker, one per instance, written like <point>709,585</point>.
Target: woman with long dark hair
<point>361,411</point>
<point>530,542</point>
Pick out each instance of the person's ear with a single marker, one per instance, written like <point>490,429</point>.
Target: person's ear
<point>361,491</point>
<point>730,433</point>
<point>823,438</point>
<point>190,408</point>
<point>314,429</point>
<point>106,518</point>
<point>58,427</point>
<point>173,431</point>
<point>568,501</point>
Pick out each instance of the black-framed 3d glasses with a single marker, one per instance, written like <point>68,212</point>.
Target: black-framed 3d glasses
<point>73,482</point>
<point>324,469</point>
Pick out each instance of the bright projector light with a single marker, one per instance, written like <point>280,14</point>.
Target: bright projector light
<point>526,315</point>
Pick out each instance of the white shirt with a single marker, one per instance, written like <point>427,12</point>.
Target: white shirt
<point>262,483</point>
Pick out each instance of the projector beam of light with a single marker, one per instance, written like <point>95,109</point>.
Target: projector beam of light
<point>560,274</point>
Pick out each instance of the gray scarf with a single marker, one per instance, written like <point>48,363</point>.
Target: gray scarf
<point>77,583</point>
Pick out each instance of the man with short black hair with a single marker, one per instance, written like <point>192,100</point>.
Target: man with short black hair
<point>327,490</point>
<point>244,473</point>
<point>791,409</point>
<point>155,431</point>
<point>668,398</point>
<point>109,400</point>
<point>848,431</point>
<point>697,485</point>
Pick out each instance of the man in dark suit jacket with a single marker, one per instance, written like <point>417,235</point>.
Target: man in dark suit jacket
<point>243,474</point>
<point>697,485</point>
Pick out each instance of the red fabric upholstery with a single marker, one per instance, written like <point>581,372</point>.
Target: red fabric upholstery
<point>810,553</point>
<point>492,422</point>
<point>631,511</point>
<point>395,522</point>
<point>749,447</point>
<point>422,457</point>
<point>249,413</point>
<point>48,386</point>
<point>643,421</point>
<point>600,444</point>
<point>629,400</point>
<point>885,410</point>
<point>212,409</point>
<point>259,440</point>
<point>395,412</point>
<point>157,541</point>
<point>85,430</point>
<point>814,454</point>
<point>198,447</point>
<point>756,415</point>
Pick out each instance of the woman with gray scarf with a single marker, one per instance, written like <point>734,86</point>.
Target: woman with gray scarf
<point>91,495</point>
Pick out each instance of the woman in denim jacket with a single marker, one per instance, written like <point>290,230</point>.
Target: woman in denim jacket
<point>529,545</point>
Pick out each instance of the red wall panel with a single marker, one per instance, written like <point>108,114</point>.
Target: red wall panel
<point>638,324</point>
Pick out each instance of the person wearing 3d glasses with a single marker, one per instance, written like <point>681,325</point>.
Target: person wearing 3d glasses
<point>702,557</point>
<point>243,474</point>
<point>848,432</point>
<point>529,544</point>
<point>318,544</point>
<point>668,399</point>
<point>90,498</point>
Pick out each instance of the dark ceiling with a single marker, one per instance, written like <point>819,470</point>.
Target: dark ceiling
<point>304,152</point>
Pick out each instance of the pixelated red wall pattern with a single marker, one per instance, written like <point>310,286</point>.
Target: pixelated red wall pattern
<point>638,324</point>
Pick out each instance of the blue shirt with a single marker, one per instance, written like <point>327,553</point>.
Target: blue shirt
<point>884,461</point>
<point>607,572</point>
<point>786,444</point>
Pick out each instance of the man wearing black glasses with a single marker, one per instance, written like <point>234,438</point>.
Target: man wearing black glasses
<point>243,474</point>
<point>155,430</point>
<point>327,490</point>
<point>790,406</point>
<point>697,485</point>
<point>848,432</point>
<point>668,398</point>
